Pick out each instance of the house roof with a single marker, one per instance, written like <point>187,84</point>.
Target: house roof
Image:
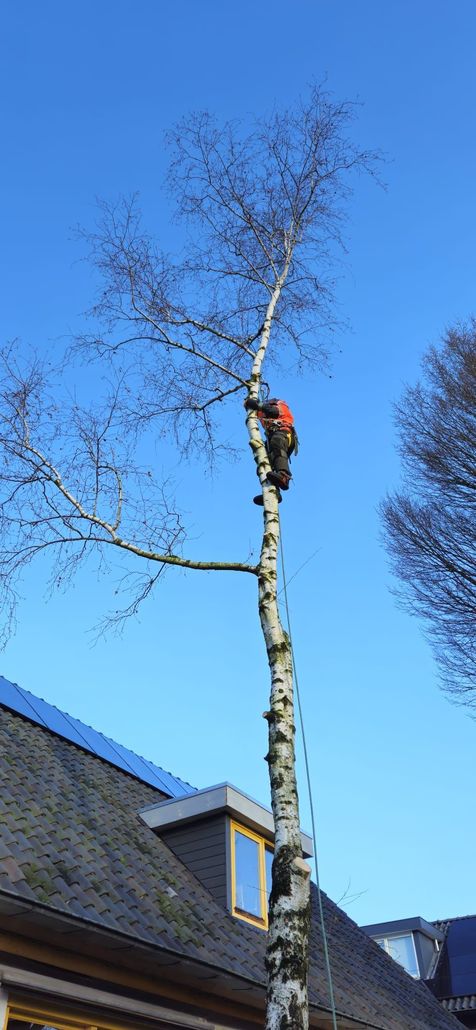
<point>73,846</point>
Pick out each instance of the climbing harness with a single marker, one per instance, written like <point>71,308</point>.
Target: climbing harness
<point>282,422</point>
<point>308,777</point>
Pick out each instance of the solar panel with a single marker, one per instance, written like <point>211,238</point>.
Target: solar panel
<point>461,946</point>
<point>13,697</point>
<point>168,780</point>
<point>136,764</point>
<point>95,742</point>
<point>34,708</point>
<point>53,719</point>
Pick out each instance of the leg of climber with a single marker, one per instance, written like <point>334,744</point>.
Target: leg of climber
<point>279,449</point>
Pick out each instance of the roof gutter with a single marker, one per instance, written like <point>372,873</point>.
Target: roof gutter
<point>11,905</point>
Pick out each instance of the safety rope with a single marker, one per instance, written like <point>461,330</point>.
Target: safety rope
<point>311,805</point>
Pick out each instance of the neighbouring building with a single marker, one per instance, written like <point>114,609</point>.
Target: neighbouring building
<point>130,900</point>
<point>442,953</point>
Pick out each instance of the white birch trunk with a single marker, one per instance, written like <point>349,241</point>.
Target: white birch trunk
<point>288,935</point>
<point>287,948</point>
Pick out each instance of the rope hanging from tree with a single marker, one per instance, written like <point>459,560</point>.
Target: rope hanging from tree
<point>311,805</point>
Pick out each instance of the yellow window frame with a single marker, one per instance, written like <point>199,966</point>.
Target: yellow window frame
<point>53,1015</point>
<point>262,919</point>
<point>34,1014</point>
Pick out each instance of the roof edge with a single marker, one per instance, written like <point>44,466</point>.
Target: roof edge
<point>223,797</point>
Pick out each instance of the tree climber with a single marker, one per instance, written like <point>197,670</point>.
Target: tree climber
<point>281,440</point>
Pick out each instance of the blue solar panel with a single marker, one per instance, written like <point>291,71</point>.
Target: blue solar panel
<point>461,948</point>
<point>51,717</point>
<point>172,783</point>
<point>12,696</point>
<point>125,758</point>
<point>149,772</point>
<point>34,708</point>
<point>95,742</point>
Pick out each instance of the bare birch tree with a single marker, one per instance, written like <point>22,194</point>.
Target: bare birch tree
<point>182,338</point>
<point>430,523</point>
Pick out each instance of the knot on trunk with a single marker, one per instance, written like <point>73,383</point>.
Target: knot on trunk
<point>283,861</point>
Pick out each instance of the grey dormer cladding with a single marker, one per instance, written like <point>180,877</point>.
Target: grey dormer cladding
<point>196,828</point>
<point>203,847</point>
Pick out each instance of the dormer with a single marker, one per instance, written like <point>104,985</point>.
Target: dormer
<point>413,943</point>
<point>226,839</point>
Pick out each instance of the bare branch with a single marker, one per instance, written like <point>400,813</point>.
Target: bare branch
<point>175,344</point>
<point>430,524</point>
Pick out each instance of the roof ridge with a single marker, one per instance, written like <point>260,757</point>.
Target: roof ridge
<point>454,919</point>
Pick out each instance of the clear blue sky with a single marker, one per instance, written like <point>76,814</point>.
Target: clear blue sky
<point>88,90</point>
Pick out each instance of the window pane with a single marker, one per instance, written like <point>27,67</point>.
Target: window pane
<point>268,858</point>
<point>403,951</point>
<point>247,875</point>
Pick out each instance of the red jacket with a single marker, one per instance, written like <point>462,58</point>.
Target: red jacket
<point>275,415</point>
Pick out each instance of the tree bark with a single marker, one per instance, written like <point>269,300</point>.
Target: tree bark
<point>289,916</point>
<point>289,913</point>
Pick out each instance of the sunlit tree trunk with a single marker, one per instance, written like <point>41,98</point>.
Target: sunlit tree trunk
<point>289,915</point>
<point>287,949</point>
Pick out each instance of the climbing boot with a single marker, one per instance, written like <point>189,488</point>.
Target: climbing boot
<point>279,479</point>
<point>259,498</point>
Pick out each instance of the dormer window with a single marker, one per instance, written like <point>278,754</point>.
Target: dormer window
<point>401,947</point>
<point>413,943</point>
<point>226,840</point>
<point>251,862</point>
